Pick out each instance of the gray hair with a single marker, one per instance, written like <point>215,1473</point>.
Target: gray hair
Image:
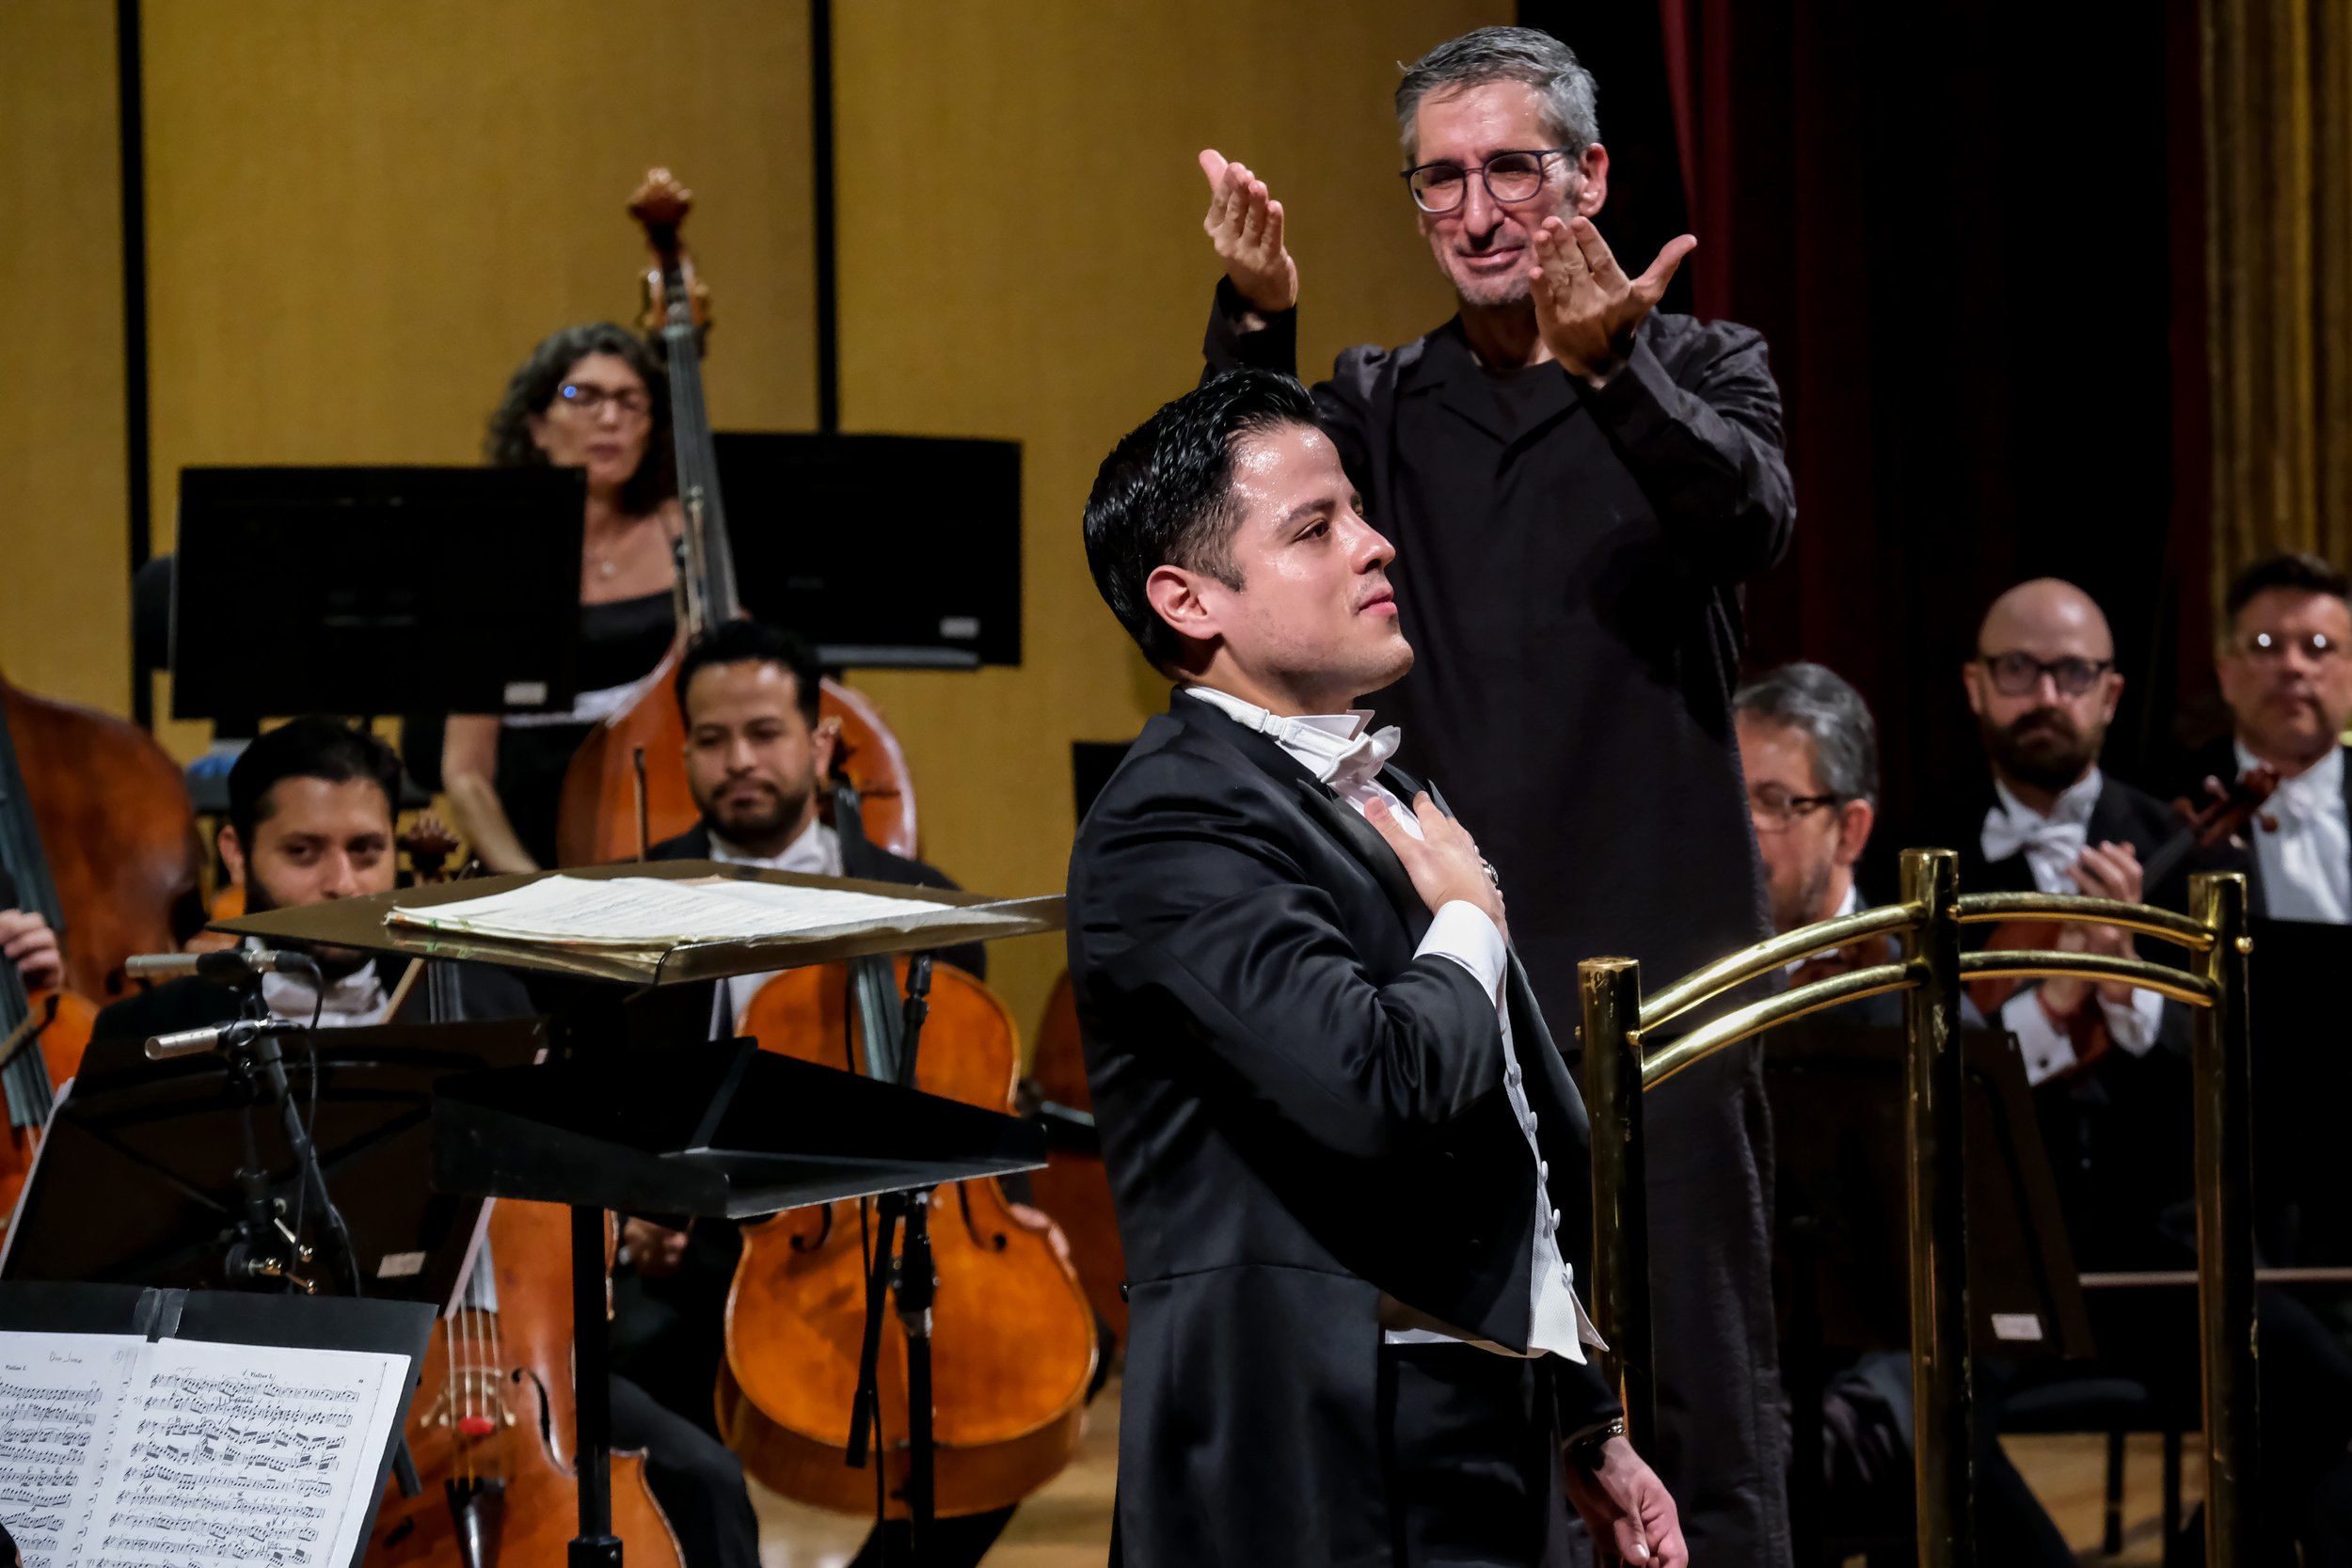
<point>1832,714</point>
<point>1505,55</point>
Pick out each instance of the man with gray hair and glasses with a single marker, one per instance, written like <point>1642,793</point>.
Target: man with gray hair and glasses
<point>1578,485</point>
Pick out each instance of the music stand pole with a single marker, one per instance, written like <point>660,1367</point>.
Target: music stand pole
<point>595,1545</point>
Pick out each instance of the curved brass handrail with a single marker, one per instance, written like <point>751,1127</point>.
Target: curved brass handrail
<point>1619,1064</point>
<point>1756,1017</point>
<point>2001,963</point>
<point>1977,909</point>
<point>1750,963</point>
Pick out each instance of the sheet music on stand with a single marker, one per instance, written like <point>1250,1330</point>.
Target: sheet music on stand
<point>152,1447</point>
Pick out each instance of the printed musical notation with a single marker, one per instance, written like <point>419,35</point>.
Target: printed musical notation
<point>185,1453</point>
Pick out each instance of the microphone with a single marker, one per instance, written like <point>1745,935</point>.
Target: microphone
<point>217,1036</point>
<point>232,966</point>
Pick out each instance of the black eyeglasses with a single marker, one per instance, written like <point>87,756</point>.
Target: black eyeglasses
<point>2014,674</point>
<point>1775,810</point>
<point>1510,176</point>
<point>634,403</point>
<point>2270,647</point>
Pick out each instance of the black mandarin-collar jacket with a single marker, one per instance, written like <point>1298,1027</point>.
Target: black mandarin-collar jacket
<point>1297,1115</point>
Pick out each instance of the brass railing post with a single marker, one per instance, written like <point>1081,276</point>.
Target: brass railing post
<point>2223,1077</point>
<point>1943,1418</point>
<point>1612,991</point>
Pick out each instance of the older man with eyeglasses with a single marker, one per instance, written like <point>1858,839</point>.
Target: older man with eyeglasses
<point>2285,665</point>
<point>1577,485</point>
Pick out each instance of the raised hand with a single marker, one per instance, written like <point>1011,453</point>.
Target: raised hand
<point>1443,863</point>
<point>1246,225</point>
<point>1585,307</point>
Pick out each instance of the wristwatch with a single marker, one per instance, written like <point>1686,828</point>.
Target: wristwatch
<point>1584,1449</point>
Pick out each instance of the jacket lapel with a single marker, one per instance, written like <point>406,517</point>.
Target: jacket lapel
<point>1364,841</point>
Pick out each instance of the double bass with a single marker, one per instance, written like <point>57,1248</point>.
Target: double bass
<point>597,818</point>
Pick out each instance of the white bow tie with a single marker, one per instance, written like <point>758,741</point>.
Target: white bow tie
<point>2004,834</point>
<point>1362,759</point>
<point>1340,761</point>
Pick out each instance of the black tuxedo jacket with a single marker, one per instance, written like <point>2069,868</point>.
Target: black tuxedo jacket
<point>861,859</point>
<point>2119,1134</point>
<point>483,992</point>
<point>1297,1115</point>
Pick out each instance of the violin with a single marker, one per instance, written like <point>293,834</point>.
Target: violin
<point>599,815</point>
<point>1013,1345</point>
<point>496,1399</point>
<point>2231,809</point>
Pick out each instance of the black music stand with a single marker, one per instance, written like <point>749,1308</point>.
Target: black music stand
<point>1836,1094</point>
<point>300,1323</point>
<point>806,513</point>
<point>662,1120</point>
<point>391,590</point>
<point>158,1144</point>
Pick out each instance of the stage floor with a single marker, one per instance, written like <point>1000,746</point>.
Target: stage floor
<point>1068,1525</point>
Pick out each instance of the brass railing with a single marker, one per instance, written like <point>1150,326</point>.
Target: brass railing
<point>1619,1065</point>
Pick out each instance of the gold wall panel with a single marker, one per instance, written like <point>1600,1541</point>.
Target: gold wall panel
<point>64,525</point>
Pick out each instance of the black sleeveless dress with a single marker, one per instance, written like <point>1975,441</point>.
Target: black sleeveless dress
<point>620,643</point>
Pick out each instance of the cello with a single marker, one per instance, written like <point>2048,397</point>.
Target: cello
<point>597,818</point>
<point>496,1400</point>
<point>1013,1339</point>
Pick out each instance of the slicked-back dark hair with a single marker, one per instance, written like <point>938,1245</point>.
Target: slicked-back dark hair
<point>753,643</point>
<point>508,444</point>
<point>2299,570</point>
<point>316,747</point>
<point>1165,495</point>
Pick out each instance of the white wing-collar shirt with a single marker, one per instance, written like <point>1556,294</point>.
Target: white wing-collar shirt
<point>815,851</point>
<point>2307,864</point>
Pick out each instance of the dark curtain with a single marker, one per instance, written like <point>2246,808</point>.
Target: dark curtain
<point>1972,232</point>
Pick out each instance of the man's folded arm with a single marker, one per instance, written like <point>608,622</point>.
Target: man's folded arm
<point>1221,934</point>
<point>1704,441</point>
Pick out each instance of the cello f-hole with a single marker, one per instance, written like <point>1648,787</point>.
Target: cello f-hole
<point>995,1240</point>
<point>824,1231</point>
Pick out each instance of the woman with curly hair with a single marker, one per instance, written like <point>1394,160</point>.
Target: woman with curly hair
<point>588,396</point>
